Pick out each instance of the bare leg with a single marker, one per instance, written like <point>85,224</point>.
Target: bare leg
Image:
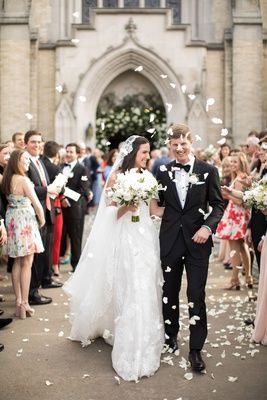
<point>25,279</point>
<point>16,276</point>
<point>235,262</point>
<point>246,262</point>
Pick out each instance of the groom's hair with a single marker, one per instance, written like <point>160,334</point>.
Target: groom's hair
<point>179,130</point>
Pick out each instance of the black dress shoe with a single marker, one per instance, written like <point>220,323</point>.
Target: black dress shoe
<point>38,299</point>
<point>1,347</point>
<point>196,361</point>
<point>52,285</point>
<point>172,343</point>
<point>5,322</point>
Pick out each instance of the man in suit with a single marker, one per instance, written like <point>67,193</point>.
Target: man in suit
<point>191,187</point>
<point>42,265</point>
<point>74,210</point>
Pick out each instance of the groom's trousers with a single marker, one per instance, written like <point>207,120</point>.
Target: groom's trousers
<point>196,271</point>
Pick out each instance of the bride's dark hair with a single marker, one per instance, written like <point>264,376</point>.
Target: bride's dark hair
<point>129,159</point>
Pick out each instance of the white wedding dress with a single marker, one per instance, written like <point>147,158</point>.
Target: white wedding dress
<point>116,292</point>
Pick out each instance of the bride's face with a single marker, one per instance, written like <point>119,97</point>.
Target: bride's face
<point>142,156</point>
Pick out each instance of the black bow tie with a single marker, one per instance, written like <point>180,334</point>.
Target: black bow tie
<point>67,165</point>
<point>185,167</point>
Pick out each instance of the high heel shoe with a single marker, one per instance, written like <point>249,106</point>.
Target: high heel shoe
<point>17,311</point>
<point>232,285</point>
<point>26,311</point>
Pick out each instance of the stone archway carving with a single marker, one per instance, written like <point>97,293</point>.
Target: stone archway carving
<point>115,61</point>
<point>64,123</point>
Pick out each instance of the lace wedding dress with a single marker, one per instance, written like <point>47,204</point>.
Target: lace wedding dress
<point>116,292</point>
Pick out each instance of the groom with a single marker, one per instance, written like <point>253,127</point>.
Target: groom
<point>191,187</point>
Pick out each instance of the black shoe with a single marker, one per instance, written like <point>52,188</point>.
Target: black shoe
<point>1,312</point>
<point>196,361</point>
<point>39,299</point>
<point>172,344</point>
<point>1,347</point>
<point>249,322</point>
<point>52,285</point>
<point>5,322</point>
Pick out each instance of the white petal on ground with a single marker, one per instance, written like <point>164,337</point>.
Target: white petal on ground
<point>188,376</point>
<point>117,379</point>
<point>219,364</point>
<point>60,334</point>
<point>223,354</point>
<point>25,340</point>
<point>106,334</point>
<point>85,376</point>
<point>232,378</point>
<point>46,329</point>
<point>183,363</point>
<point>48,383</point>
<point>139,69</point>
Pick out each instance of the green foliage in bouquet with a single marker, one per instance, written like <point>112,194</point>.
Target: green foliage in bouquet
<point>117,120</point>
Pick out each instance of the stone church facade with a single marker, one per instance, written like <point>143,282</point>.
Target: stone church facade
<point>58,58</point>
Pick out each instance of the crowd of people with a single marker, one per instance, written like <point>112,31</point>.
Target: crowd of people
<point>47,189</point>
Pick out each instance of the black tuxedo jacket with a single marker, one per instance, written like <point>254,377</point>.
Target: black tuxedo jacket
<point>199,196</point>
<point>41,191</point>
<point>78,181</point>
<point>52,169</point>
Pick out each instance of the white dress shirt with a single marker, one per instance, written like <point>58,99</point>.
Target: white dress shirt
<point>182,180</point>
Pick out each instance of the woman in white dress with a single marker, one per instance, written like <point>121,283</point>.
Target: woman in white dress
<point>116,288</point>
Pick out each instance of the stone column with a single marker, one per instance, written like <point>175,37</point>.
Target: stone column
<point>247,69</point>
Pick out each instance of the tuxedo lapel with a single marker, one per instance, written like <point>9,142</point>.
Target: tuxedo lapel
<point>197,170</point>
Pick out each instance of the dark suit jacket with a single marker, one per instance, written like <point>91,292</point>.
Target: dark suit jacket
<point>92,165</point>
<point>78,182</point>
<point>41,190</point>
<point>52,169</point>
<point>189,219</point>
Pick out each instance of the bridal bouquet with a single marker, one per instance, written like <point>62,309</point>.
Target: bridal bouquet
<point>256,196</point>
<point>132,187</point>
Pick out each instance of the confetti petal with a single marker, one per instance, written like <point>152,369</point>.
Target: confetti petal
<point>139,69</point>
<point>48,383</point>
<point>188,376</point>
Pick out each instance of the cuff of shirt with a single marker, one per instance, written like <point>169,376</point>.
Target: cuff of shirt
<point>209,229</point>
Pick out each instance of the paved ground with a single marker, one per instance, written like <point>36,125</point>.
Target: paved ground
<point>39,362</point>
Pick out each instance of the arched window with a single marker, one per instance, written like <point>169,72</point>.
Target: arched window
<point>131,3</point>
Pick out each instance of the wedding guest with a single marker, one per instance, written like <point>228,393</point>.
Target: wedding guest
<point>23,237</point>
<point>97,185</point>
<point>116,293</point>
<point>224,151</point>
<point>162,160</point>
<point>234,222</point>
<point>4,156</point>
<point>42,264</point>
<point>18,140</point>
<point>112,155</point>
<point>74,210</point>
<point>185,238</point>
<point>51,161</point>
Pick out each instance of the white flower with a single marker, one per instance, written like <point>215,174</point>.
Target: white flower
<point>193,179</point>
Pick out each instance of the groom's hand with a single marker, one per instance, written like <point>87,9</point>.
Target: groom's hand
<point>202,235</point>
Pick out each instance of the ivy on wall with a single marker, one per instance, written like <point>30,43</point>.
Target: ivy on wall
<point>133,115</point>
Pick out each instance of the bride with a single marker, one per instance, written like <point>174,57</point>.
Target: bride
<point>116,289</point>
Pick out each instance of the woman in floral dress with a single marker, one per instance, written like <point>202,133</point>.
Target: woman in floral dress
<point>233,224</point>
<point>23,237</point>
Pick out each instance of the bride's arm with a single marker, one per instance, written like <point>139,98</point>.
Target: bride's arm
<point>155,209</point>
<point>123,209</point>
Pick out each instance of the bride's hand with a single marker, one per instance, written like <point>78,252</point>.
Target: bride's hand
<point>132,207</point>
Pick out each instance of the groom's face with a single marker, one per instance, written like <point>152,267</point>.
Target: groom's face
<point>181,148</point>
